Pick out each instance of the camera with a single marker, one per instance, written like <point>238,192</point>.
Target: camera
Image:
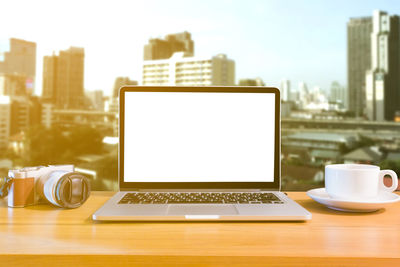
<point>58,184</point>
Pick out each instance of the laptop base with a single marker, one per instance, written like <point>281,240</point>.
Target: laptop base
<point>287,211</point>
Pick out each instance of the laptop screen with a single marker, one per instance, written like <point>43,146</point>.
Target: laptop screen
<point>198,137</point>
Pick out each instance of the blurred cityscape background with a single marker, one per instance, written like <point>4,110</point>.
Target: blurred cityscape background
<point>356,121</point>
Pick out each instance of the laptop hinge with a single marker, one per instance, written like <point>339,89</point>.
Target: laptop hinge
<point>129,189</point>
<point>198,189</point>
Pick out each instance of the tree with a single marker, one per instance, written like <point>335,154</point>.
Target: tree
<point>60,146</point>
<point>85,140</point>
<point>391,165</point>
<point>45,146</point>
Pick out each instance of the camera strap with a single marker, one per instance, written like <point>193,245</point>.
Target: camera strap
<point>5,187</point>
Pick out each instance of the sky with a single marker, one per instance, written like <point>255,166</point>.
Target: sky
<point>300,40</point>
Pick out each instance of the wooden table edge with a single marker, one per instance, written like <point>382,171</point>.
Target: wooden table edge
<point>160,260</point>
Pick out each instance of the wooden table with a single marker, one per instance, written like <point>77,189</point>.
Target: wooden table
<point>46,236</point>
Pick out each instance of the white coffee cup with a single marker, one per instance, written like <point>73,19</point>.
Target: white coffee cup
<point>357,181</point>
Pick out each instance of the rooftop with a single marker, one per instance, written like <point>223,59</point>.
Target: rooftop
<point>364,154</point>
<point>332,137</point>
<point>393,156</point>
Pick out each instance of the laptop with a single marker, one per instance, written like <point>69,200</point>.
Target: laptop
<point>199,153</point>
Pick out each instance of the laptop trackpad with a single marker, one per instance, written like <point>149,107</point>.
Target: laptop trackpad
<point>201,209</point>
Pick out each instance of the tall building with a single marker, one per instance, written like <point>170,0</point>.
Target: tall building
<point>25,112</point>
<point>49,78</point>
<point>63,79</point>
<point>5,116</point>
<point>21,61</point>
<point>96,99</point>
<point>304,94</point>
<point>383,78</point>
<point>164,49</point>
<point>13,84</point>
<point>47,115</point>
<point>112,104</point>
<point>121,81</point>
<point>338,94</point>
<point>285,90</point>
<point>180,70</point>
<point>317,95</point>
<point>358,61</point>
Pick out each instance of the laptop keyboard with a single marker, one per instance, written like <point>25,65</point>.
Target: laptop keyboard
<point>200,198</point>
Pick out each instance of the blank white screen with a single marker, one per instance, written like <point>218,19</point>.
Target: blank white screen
<point>199,137</point>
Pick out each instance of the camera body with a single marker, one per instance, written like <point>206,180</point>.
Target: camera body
<point>58,184</point>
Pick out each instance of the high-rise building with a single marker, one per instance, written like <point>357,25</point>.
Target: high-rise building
<point>338,94</point>
<point>121,81</point>
<point>47,115</point>
<point>49,81</point>
<point>25,112</point>
<point>21,61</point>
<point>13,84</point>
<point>112,104</point>
<point>317,95</point>
<point>358,61</point>
<point>63,79</point>
<point>5,116</point>
<point>96,99</point>
<point>180,70</point>
<point>383,79</point>
<point>164,49</point>
<point>304,94</point>
<point>295,96</point>
<point>285,90</point>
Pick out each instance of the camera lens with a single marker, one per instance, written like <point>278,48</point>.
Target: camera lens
<point>66,189</point>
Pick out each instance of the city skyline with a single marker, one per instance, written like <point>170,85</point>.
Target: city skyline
<point>300,51</point>
<point>294,47</point>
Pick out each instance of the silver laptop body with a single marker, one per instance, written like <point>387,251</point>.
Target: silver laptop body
<point>199,153</point>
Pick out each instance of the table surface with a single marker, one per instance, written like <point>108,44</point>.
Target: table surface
<point>43,234</point>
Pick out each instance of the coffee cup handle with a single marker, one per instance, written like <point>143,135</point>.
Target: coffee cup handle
<point>393,175</point>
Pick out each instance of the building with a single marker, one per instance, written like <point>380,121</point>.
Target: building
<point>21,60</point>
<point>321,147</point>
<point>102,120</point>
<point>286,109</point>
<point>397,116</point>
<point>285,90</point>
<point>181,70</point>
<point>317,95</point>
<point>119,82</point>
<point>96,99</point>
<point>316,140</point>
<point>17,114</point>
<point>338,94</point>
<point>112,104</point>
<point>25,113</point>
<point>295,96</point>
<point>164,49</point>
<point>251,82</point>
<point>13,84</point>
<point>63,79</point>
<point>364,155</point>
<point>383,78</point>
<point>304,94</point>
<point>47,115</point>
<point>5,114</point>
<point>49,78</point>
<point>358,61</point>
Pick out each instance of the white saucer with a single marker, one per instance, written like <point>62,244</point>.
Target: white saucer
<point>382,200</point>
